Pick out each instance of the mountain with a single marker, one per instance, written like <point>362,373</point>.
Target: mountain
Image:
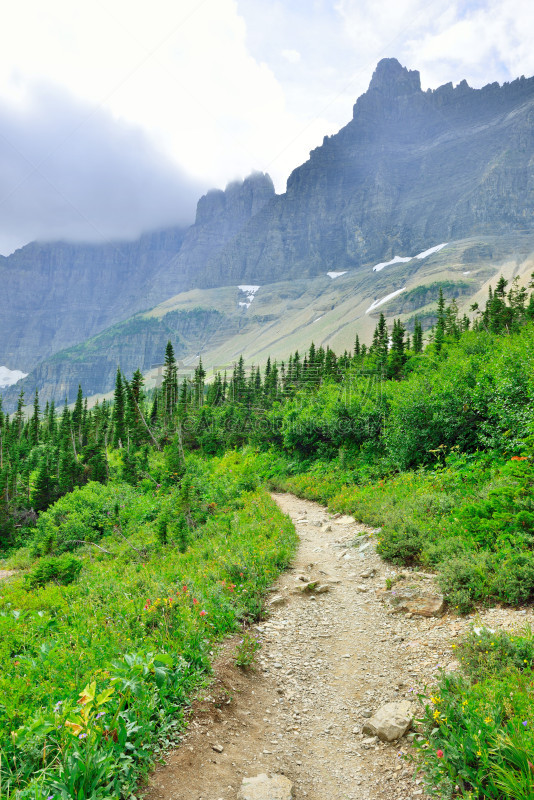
<point>411,169</point>
<point>412,172</point>
<point>55,295</point>
<point>276,319</point>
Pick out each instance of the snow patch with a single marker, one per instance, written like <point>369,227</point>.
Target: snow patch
<point>317,320</point>
<point>429,252</point>
<point>9,377</point>
<point>384,299</point>
<point>250,292</point>
<point>402,260</point>
<point>335,275</point>
<point>396,260</point>
<point>467,273</point>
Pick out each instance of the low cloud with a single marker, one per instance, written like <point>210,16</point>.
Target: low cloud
<point>70,171</point>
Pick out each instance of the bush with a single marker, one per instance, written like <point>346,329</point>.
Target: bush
<point>60,569</point>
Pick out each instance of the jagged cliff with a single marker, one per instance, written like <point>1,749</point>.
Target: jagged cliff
<point>56,295</point>
<point>411,169</point>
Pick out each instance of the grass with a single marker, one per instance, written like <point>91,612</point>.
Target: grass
<point>96,672</point>
<point>478,727</point>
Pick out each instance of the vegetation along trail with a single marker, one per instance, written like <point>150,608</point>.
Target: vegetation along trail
<point>332,655</point>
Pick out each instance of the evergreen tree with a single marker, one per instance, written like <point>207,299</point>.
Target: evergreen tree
<point>397,357</point>
<point>35,424</point>
<point>198,384</point>
<point>77,418</point>
<point>119,408</point>
<point>169,387</point>
<point>439,333</point>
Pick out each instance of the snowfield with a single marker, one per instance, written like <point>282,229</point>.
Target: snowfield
<point>384,299</point>
<point>403,260</point>
<point>250,292</point>
<point>9,377</point>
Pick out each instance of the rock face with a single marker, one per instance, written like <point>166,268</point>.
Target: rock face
<point>59,294</point>
<point>390,722</point>
<point>411,170</point>
<point>277,787</point>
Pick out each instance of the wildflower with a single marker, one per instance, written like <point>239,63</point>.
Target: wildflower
<point>440,753</point>
<point>82,736</point>
<point>195,601</point>
<point>519,458</point>
<point>524,723</point>
<point>203,613</point>
<point>100,714</point>
<point>487,720</point>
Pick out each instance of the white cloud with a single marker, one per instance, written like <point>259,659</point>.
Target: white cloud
<point>223,87</point>
<point>293,56</point>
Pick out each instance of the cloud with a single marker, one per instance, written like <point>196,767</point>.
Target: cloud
<point>220,87</point>
<point>70,171</point>
<point>293,56</point>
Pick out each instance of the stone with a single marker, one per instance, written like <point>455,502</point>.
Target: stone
<point>345,520</point>
<point>263,787</point>
<point>368,573</point>
<point>217,747</point>
<point>391,721</point>
<point>416,602</point>
<point>277,600</point>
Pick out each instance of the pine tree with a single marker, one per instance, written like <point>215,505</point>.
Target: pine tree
<point>439,333</point>
<point>119,407</point>
<point>397,357</point>
<point>169,387</point>
<point>77,418</point>
<point>35,421</point>
<point>198,384</point>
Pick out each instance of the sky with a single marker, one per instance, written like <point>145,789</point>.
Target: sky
<point>116,116</point>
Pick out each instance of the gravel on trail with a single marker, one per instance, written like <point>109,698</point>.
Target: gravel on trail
<point>334,651</point>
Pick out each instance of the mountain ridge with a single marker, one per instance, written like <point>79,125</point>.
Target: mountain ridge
<point>410,170</point>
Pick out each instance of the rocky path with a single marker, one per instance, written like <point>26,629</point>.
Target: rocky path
<point>333,653</point>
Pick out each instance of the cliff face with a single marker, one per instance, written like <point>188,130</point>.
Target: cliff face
<point>138,342</point>
<point>59,294</point>
<point>220,218</point>
<point>410,170</point>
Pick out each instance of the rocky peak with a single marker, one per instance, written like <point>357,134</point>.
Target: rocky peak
<point>391,78</point>
<point>240,200</point>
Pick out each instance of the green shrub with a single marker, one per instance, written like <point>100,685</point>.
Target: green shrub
<point>59,569</point>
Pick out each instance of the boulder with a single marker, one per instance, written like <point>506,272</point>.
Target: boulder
<point>390,722</point>
<point>277,787</point>
<point>415,601</point>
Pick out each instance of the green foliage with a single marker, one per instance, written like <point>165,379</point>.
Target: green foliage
<point>246,651</point>
<point>60,569</point>
<point>478,727</point>
<point>135,631</point>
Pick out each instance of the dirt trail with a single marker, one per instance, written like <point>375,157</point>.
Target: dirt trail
<point>328,661</point>
<point>6,573</point>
